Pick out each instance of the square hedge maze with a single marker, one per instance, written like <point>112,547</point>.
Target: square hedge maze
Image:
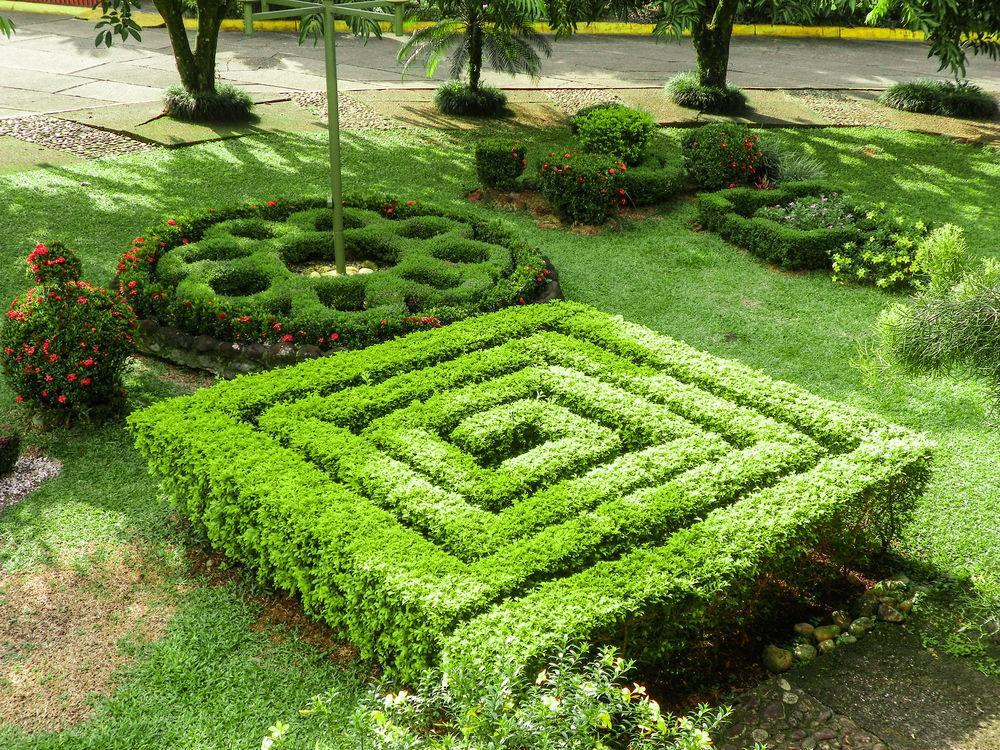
<point>481,493</point>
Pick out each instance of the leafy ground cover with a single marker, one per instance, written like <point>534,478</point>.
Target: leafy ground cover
<point>692,286</point>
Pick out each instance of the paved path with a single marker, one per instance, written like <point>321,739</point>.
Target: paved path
<point>51,65</point>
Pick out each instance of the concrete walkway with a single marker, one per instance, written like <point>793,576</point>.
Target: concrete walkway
<point>51,65</point>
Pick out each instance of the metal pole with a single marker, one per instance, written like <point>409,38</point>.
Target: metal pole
<point>333,122</point>
<point>397,19</point>
<point>247,18</point>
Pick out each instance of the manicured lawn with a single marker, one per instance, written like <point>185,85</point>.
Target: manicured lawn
<point>213,682</point>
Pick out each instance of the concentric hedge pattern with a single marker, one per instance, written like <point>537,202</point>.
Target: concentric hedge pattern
<point>478,493</point>
<point>232,274</point>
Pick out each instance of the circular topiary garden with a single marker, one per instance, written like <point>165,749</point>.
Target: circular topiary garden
<point>264,274</point>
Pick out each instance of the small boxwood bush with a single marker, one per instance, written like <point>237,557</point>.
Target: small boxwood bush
<point>583,188</point>
<point>234,274</point>
<point>947,98</point>
<point>64,344</point>
<point>478,494</point>
<point>10,451</point>
<point>618,131</point>
<point>733,214</point>
<point>722,155</point>
<point>499,163</point>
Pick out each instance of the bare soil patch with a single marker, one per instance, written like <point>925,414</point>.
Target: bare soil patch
<point>61,631</point>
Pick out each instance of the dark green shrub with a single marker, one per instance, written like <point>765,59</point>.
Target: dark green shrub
<point>733,213</point>
<point>431,268</point>
<point>639,474</point>
<point>620,131</point>
<point>652,185</point>
<point>947,98</point>
<point>685,90</point>
<point>10,450</point>
<point>499,163</point>
<point>583,188</point>
<point>724,155</point>
<point>64,346</point>
<point>456,98</point>
<point>226,104</point>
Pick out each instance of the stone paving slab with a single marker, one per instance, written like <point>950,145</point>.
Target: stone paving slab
<point>114,91</point>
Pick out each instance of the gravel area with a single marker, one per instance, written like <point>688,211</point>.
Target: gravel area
<point>570,100</point>
<point>786,718</point>
<point>66,135</point>
<point>354,115</point>
<point>845,107</point>
<point>28,475</point>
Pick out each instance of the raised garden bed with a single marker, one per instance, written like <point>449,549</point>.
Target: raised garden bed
<point>730,213</point>
<point>480,493</point>
<point>238,289</point>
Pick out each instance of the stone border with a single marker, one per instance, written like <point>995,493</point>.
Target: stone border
<point>228,359</point>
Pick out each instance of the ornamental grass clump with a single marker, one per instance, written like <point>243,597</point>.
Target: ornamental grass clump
<point>64,343</point>
<point>946,98</point>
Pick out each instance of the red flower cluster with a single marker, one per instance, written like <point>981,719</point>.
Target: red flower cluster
<point>53,264</point>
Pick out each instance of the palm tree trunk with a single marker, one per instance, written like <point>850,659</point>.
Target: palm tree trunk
<point>475,52</point>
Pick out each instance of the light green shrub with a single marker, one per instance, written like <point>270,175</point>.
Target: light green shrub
<point>477,494</point>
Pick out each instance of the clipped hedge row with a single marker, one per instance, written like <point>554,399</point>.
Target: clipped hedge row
<point>730,213</point>
<point>492,487</point>
<point>235,274</point>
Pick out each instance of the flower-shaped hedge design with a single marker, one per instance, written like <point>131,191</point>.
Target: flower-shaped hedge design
<point>482,492</point>
<point>242,274</point>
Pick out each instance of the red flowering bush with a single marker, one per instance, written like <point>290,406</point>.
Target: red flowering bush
<point>53,264</point>
<point>583,188</point>
<point>724,155</point>
<point>64,345</point>
<point>10,450</point>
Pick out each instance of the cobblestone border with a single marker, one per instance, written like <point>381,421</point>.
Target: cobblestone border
<point>71,136</point>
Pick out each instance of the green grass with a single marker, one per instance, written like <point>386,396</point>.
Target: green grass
<point>211,683</point>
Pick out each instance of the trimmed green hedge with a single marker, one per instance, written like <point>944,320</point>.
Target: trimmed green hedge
<point>730,213</point>
<point>232,273</point>
<point>478,493</point>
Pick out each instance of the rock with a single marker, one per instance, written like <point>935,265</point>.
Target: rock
<point>790,698</point>
<point>826,632</point>
<point>827,646</point>
<point>774,711</point>
<point>861,626</point>
<point>784,684</point>
<point>841,618</point>
<point>867,604</point>
<point>846,639</point>
<point>370,265</point>
<point>888,613</point>
<point>804,652</point>
<point>777,659</point>
<point>365,270</point>
<point>759,735</point>
<point>804,628</point>
<point>809,743</point>
<point>905,606</point>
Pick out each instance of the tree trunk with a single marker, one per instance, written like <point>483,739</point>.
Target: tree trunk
<point>475,53</point>
<point>195,67</point>
<point>711,36</point>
